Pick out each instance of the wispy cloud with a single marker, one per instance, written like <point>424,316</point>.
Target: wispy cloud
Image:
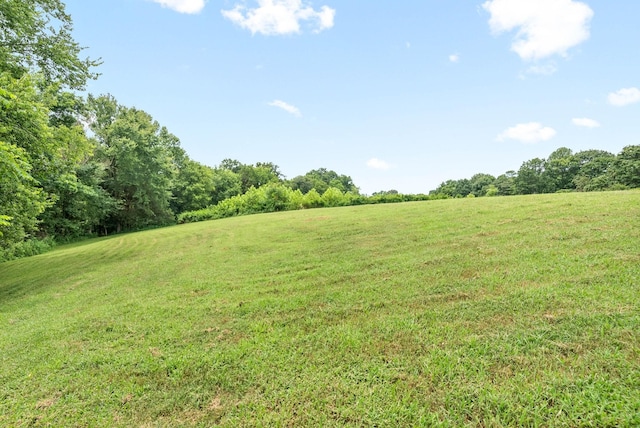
<point>276,17</point>
<point>286,107</point>
<point>545,27</point>
<point>624,97</point>
<point>586,123</point>
<point>542,69</point>
<point>454,58</point>
<point>182,6</point>
<point>376,163</point>
<point>532,132</point>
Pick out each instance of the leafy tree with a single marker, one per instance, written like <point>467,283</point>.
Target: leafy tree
<point>35,36</point>
<point>73,178</point>
<point>231,165</point>
<point>531,178</point>
<point>24,122</point>
<point>480,183</point>
<point>560,169</point>
<point>321,179</point>
<point>257,176</point>
<point>193,187</point>
<point>25,151</point>
<point>226,184</point>
<point>81,204</point>
<point>273,169</point>
<point>302,183</point>
<point>505,183</point>
<point>140,167</point>
<point>21,200</point>
<point>593,168</point>
<point>253,175</point>
<point>454,188</point>
<point>42,120</point>
<point>625,169</point>
<point>463,188</point>
<point>447,188</point>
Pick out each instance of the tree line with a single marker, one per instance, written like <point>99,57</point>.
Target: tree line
<point>562,171</point>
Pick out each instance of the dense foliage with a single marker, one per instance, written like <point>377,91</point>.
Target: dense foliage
<point>562,171</point>
<point>281,197</point>
<point>30,43</point>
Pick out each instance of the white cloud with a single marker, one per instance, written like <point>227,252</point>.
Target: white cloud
<point>531,132</point>
<point>378,164</point>
<point>286,107</point>
<point>586,123</point>
<point>454,58</point>
<point>274,17</point>
<point>624,97</point>
<point>182,6</point>
<point>545,27</point>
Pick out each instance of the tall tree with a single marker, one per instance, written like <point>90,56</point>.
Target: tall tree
<point>322,179</point>
<point>454,188</point>
<point>258,175</point>
<point>594,166</point>
<point>560,169</point>
<point>531,178</point>
<point>140,168</point>
<point>73,179</point>
<point>226,184</point>
<point>21,200</point>
<point>625,169</point>
<point>253,175</point>
<point>194,187</point>
<point>25,153</point>
<point>480,184</point>
<point>40,142</point>
<point>505,183</point>
<point>35,36</point>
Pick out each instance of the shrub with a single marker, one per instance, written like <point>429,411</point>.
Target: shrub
<point>492,191</point>
<point>27,248</point>
<point>278,197</point>
<point>333,198</point>
<point>312,199</point>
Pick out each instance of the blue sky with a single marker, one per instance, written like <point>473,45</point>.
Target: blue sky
<point>399,95</point>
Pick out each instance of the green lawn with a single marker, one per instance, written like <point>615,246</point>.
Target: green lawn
<point>516,311</point>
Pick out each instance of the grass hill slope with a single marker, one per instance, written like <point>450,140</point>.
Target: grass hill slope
<point>477,312</point>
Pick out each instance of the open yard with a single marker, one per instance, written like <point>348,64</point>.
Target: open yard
<point>510,311</point>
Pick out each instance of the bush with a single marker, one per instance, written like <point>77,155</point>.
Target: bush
<point>334,198</point>
<point>278,197</point>
<point>312,199</point>
<point>31,247</point>
<point>296,200</point>
<point>492,191</point>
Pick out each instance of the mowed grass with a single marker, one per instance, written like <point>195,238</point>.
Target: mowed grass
<point>517,311</point>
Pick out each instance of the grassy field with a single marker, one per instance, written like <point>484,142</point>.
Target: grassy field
<point>518,311</point>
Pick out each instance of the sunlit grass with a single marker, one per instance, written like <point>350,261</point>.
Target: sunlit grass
<point>479,312</point>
